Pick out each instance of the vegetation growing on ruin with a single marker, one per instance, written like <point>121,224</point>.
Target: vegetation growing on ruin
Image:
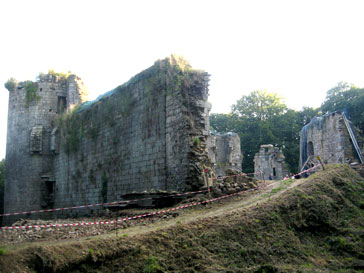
<point>71,129</point>
<point>11,84</point>
<point>60,75</point>
<point>31,92</point>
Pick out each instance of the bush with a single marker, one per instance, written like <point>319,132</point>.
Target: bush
<point>11,84</point>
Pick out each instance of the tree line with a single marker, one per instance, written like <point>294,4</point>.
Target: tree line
<point>263,118</point>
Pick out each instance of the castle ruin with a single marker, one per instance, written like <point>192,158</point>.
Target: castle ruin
<point>224,152</point>
<point>147,136</point>
<point>269,162</point>
<point>140,137</point>
<point>333,138</point>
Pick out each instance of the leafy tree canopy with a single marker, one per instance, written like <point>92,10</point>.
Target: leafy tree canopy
<point>263,118</point>
<point>259,105</point>
<point>346,98</point>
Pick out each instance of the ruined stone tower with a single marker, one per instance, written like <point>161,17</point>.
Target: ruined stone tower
<point>269,161</point>
<point>33,108</point>
<point>147,136</point>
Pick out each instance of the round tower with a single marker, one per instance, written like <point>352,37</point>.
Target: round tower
<point>33,108</point>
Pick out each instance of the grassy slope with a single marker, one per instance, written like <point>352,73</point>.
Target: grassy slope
<point>317,226</point>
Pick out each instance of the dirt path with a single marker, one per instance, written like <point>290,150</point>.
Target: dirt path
<point>244,201</point>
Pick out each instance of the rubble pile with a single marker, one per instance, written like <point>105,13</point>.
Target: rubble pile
<point>233,182</point>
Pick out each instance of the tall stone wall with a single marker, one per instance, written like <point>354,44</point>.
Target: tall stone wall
<point>145,136</point>
<point>225,153</point>
<point>327,137</point>
<point>137,139</point>
<point>269,161</point>
<point>33,109</point>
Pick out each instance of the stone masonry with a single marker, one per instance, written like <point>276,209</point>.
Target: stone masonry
<point>269,161</point>
<point>328,137</point>
<point>148,135</point>
<point>225,153</point>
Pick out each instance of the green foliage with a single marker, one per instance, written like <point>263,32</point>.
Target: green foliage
<point>72,130</point>
<point>259,105</point>
<point>31,89</point>
<point>196,142</point>
<point>243,252</point>
<point>151,265</point>
<point>57,74</point>
<point>2,252</point>
<point>346,98</point>
<point>262,118</point>
<point>11,84</point>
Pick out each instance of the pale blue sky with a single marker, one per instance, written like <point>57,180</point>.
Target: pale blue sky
<point>299,49</point>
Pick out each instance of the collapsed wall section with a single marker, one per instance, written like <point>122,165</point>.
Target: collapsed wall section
<point>225,153</point>
<point>139,138</point>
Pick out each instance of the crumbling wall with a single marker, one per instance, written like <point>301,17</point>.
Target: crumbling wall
<point>224,152</point>
<point>269,161</point>
<point>148,135</point>
<point>327,137</point>
<point>145,136</point>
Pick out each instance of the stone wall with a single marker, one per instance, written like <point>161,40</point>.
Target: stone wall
<point>270,161</point>
<point>225,153</point>
<point>145,136</point>
<point>327,137</point>
<point>33,109</point>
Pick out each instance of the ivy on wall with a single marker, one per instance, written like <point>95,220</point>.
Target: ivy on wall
<point>31,95</point>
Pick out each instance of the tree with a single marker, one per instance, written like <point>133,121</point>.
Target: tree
<point>222,123</point>
<point>254,118</point>
<point>259,105</point>
<point>346,98</point>
<point>263,118</point>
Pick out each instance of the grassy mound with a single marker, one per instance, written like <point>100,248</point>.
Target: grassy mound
<point>317,226</point>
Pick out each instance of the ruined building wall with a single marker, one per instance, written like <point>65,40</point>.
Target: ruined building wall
<point>269,160</point>
<point>31,119</point>
<point>145,136</point>
<point>224,152</point>
<point>327,137</point>
<point>137,139</point>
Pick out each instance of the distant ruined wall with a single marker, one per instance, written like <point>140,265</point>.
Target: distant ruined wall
<point>270,161</point>
<point>146,136</point>
<point>225,153</point>
<point>327,137</point>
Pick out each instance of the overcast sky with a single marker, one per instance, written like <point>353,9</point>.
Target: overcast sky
<point>299,49</point>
